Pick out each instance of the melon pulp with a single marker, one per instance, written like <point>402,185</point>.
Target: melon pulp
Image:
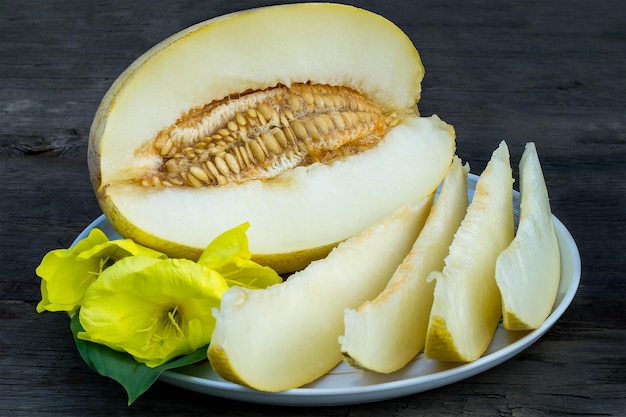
<point>301,210</point>
<point>386,333</point>
<point>467,304</point>
<point>529,270</point>
<point>286,335</point>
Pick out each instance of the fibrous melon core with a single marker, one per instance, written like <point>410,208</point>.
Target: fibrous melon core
<point>260,134</point>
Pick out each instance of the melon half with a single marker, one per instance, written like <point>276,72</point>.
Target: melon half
<point>308,135</point>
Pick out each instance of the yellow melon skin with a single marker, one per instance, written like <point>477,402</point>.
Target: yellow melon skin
<point>300,214</point>
<point>282,263</point>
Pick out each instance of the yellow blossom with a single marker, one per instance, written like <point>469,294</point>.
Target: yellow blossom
<point>153,309</point>
<point>136,300</point>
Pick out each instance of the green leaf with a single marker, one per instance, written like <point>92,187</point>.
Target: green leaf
<point>135,377</point>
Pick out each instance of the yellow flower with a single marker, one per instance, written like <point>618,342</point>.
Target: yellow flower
<point>154,309</point>
<point>158,309</point>
<point>67,273</point>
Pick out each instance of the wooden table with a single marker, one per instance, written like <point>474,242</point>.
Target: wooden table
<point>551,72</point>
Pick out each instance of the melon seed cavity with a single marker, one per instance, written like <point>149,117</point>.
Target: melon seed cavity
<point>258,135</point>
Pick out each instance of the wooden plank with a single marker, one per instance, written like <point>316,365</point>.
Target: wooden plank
<point>551,72</point>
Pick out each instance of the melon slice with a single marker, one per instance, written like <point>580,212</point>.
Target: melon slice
<point>286,335</point>
<point>385,334</point>
<point>250,118</point>
<point>467,304</point>
<point>529,270</point>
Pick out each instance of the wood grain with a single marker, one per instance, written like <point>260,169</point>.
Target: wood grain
<point>549,72</point>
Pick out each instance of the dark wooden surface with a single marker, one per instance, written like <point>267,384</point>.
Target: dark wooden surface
<point>548,71</point>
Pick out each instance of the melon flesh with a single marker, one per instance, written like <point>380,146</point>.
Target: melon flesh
<point>301,213</point>
<point>529,270</point>
<point>306,207</point>
<point>251,50</point>
<point>286,335</point>
<point>467,304</point>
<point>385,334</point>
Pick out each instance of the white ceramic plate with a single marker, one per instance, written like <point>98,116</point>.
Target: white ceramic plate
<point>347,385</point>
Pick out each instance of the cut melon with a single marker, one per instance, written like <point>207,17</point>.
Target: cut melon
<point>385,334</point>
<point>529,270</point>
<point>286,335</point>
<point>467,304</point>
<point>249,118</point>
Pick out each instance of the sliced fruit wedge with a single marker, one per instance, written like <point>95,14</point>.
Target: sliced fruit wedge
<point>385,334</point>
<point>467,304</point>
<point>286,335</point>
<point>529,270</point>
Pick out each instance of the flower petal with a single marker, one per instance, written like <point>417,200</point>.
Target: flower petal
<point>63,278</point>
<point>67,273</point>
<point>118,249</point>
<point>249,274</point>
<point>227,248</point>
<point>229,255</point>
